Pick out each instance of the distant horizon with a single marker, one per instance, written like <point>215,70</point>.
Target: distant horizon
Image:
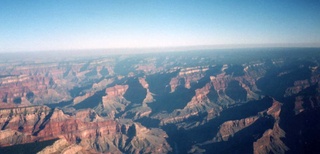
<point>178,48</point>
<point>142,50</point>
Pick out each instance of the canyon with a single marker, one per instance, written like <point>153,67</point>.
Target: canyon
<point>222,101</point>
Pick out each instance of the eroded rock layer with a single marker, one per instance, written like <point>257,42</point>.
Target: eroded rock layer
<point>199,102</point>
<point>85,131</point>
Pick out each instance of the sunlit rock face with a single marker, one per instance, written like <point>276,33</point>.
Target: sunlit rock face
<point>271,142</point>
<point>65,147</point>
<point>117,90</point>
<point>196,102</point>
<point>24,89</point>
<point>188,75</point>
<point>229,128</point>
<point>84,131</point>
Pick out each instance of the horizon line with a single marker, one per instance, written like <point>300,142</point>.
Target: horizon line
<point>177,48</point>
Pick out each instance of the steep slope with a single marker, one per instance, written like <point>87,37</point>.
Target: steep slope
<point>84,131</point>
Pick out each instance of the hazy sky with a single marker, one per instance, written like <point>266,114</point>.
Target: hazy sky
<point>29,25</point>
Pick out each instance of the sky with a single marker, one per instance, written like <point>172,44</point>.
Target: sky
<point>47,25</point>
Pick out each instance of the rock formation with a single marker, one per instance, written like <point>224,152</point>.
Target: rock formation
<point>199,102</point>
<point>86,131</point>
<point>229,128</point>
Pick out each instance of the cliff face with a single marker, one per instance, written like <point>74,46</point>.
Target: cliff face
<point>149,96</point>
<point>298,86</point>
<point>84,131</point>
<point>42,81</point>
<point>262,132</point>
<point>24,89</point>
<point>189,75</point>
<point>271,142</point>
<point>220,82</point>
<point>117,90</point>
<point>64,147</point>
<point>35,84</point>
<point>24,119</point>
<point>229,128</point>
<point>12,137</point>
<point>199,105</point>
<point>113,102</point>
<point>219,91</point>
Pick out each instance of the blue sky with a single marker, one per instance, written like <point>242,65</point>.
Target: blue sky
<point>82,24</point>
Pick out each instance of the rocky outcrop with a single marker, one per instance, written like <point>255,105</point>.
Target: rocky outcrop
<point>35,84</point>
<point>275,110</point>
<point>96,87</point>
<point>102,84</point>
<point>24,119</point>
<point>298,86</point>
<point>64,147</point>
<point>10,137</point>
<point>307,102</point>
<point>188,75</point>
<point>25,88</point>
<point>192,75</point>
<point>199,105</point>
<point>174,83</point>
<point>200,96</point>
<point>148,67</point>
<point>79,99</point>
<point>113,102</point>
<point>116,91</point>
<point>210,99</point>
<point>220,82</point>
<point>248,83</point>
<point>136,138</point>
<point>298,105</point>
<point>140,110</point>
<point>231,133</point>
<point>229,128</point>
<point>149,96</point>
<point>271,142</point>
<point>42,81</point>
<point>84,131</point>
